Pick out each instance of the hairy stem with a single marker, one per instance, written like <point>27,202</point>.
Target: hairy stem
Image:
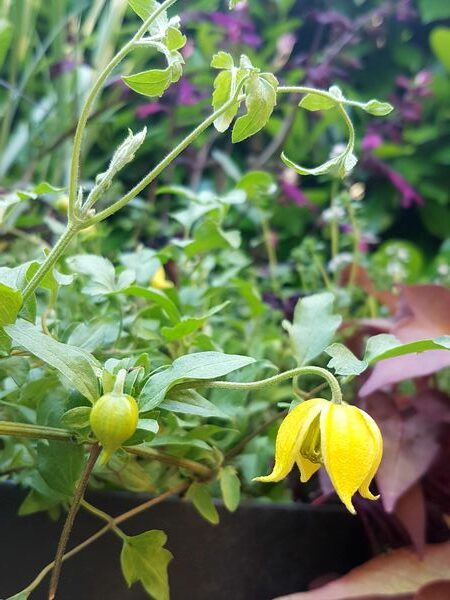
<point>79,493</point>
<point>336,394</point>
<point>84,116</point>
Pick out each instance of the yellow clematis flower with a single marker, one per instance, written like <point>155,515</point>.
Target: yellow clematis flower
<point>159,280</point>
<point>342,438</point>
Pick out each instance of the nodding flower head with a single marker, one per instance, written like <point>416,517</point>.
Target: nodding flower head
<point>342,438</point>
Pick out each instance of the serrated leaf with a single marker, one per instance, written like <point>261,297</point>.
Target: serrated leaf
<point>175,40</point>
<point>313,327</point>
<point>315,102</point>
<point>344,362</point>
<point>222,60</point>
<point>144,558</point>
<point>77,365</point>
<point>192,367</point>
<point>230,486</point>
<point>200,496</point>
<point>261,98</point>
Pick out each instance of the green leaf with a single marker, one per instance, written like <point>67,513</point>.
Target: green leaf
<point>315,102</point>
<point>377,108</point>
<point>77,365</point>
<point>313,326</point>
<point>339,166</point>
<point>222,60</point>
<point>175,40</point>
<point>192,367</point>
<point>144,8</point>
<point>378,348</point>
<point>20,596</point>
<point>145,559</point>
<point>225,86</point>
<point>200,496</point>
<point>151,83</point>
<point>440,44</point>
<point>158,297</point>
<point>60,465</point>
<point>230,486</point>
<point>188,325</point>
<point>10,304</point>
<point>261,98</point>
<point>6,31</point>
<point>343,361</point>
<point>76,418</point>
<point>190,402</point>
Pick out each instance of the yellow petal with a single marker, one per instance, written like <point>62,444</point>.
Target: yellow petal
<point>290,437</point>
<point>349,450</point>
<point>306,468</point>
<point>378,442</point>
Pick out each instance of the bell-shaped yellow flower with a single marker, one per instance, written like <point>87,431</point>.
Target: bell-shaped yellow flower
<point>342,438</point>
<point>159,280</point>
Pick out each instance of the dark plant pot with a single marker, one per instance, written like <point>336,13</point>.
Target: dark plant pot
<point>259,552</point>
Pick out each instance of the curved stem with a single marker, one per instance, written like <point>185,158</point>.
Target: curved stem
<point>336,394</point>
<point>165,162</point>
<point>79,493</point>
<point>50,260</point>
<point>84,116</point>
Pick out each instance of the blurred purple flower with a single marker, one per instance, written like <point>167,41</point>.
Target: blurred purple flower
<point>187,94</point>
<point>371,140</point>
<point>333,18</point>
<point>294,193</point>
<point>63,66</point>
<point>409,195</point>
<point>146,110</point>
<point>238,27</point>
<point>405,11</point>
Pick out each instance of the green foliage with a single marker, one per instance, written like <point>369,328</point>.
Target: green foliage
<point>197,367</point>
<point>313,327</point>
<point>145,559</point>
<point>200,496</point>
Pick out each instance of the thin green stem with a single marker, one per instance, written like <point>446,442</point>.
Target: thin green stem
<point>183,463</point>
<point>84,116</point>
<point>50,260</point>
<point>104,516</point>
<point>164,163</point>
<point>98,534</point>
<point>78,496</point>
<point>336,394</point>
<point>24,430</point>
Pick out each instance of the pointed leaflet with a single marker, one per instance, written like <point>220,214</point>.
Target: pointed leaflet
<point>201,498</point>
<point>192,367</point>
<point>313,327</point>
<point>145,559</point>
<point>225,86</point>
<point>10,303</point>
<point>77,365</point>
<point>261,98</point>
<point>144,8</point>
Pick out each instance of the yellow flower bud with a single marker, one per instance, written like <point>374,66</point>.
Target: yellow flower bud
<point>114,418</point>
<point>342,438</point>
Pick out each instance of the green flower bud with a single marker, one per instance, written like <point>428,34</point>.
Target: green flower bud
<point>114,418</point>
